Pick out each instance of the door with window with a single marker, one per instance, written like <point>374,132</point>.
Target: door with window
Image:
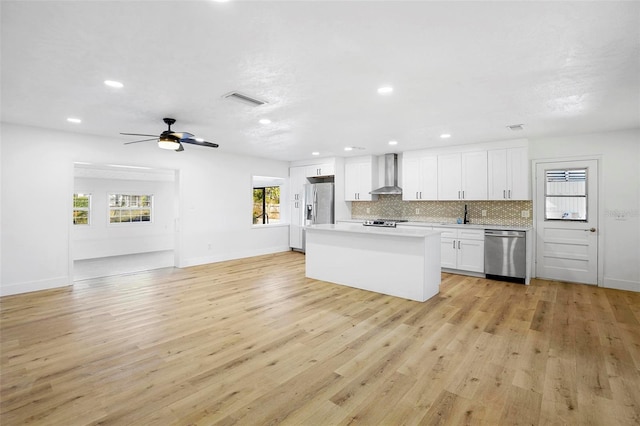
<point>567,221</point>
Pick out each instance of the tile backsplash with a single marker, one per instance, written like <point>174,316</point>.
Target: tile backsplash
<point>508,213</point>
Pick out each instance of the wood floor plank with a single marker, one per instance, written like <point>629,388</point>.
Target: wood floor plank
<point>253,341</point>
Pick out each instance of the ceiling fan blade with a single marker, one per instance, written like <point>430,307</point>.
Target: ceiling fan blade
<point>137,134</point>
<point>143,140</point>
<point>180,148</point>
<point>182,135</point>
<point>201,143</point>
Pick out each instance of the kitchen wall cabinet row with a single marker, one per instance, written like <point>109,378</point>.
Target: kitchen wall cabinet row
<point>494,174</point>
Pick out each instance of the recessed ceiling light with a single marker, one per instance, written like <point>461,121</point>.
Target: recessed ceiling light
<point>112,83</point>
<point>265,121</point>
<point>385,90</point>
<point>74,120</point>
<point>393,142</point>
<point>348,148</point>
<point>445,136</point>
<point>315,153</point>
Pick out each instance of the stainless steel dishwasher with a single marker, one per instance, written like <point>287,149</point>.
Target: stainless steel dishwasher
<point>505,255</point>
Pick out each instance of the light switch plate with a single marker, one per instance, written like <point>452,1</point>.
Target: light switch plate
<point>525,213</point>
<point>484,213</point>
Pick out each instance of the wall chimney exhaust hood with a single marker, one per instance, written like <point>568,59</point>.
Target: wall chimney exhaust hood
<point>390,177</point>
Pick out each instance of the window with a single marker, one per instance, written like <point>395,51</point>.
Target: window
<point>127,208</point>
<point>266,205</point>
<point>566,194</point>
<point>81,209</point>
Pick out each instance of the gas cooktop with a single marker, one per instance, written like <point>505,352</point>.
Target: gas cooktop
<point>386,223</point>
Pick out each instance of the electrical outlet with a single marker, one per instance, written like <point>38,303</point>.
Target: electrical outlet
<point>368,210</point>
<point>484,213</point>
<point>524,213</point>
<point>417,211</point>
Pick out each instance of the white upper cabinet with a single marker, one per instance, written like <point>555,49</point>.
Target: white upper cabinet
<point>326,169</point>
<point>359,178</point>
<point>462,176</point>
<point>419,177</point>
<point>297,179</point>
<point>509,174</point>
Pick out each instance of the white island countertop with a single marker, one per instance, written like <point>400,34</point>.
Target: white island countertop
<point>378,230</point>
<point>401,262</point>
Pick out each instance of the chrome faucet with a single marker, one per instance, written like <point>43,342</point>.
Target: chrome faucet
<point>466,217</point>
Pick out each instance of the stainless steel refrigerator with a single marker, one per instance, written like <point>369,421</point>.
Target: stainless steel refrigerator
<point>318,206</point>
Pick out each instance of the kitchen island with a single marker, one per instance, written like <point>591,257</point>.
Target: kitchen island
<point>394,261</point>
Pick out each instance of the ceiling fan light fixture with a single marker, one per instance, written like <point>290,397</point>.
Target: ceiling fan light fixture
<point>168,143</point>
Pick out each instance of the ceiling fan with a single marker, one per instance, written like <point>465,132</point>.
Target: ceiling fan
<point>172,140</point>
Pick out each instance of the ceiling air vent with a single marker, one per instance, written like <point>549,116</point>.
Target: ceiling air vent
<point>516,127</point>
<point>249,100</point>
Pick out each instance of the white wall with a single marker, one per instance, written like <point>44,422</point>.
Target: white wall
<point>101,239</point>
<point>619,196</point>
<point>215,202</point>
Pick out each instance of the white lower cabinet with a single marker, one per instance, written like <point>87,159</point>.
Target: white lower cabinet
<point>462,249</point>
<point>295,237</point>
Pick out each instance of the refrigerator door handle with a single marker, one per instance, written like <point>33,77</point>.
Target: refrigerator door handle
<point>315,205</point>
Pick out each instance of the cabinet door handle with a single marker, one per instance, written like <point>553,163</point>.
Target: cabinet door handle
<point>454,244</point>
<point>458,195</point>
<point>421,195</point>
<point>509,194</point>
<point>458,244</point>
<point>504,193</point>
<point>417,195</point>
<point>463,195</point>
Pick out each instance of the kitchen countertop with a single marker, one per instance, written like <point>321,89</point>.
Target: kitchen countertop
<point>448,225</point>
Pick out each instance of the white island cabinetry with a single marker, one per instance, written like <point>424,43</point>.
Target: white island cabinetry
<point>394,261</point>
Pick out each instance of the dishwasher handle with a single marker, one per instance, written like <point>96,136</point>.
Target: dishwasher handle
<point>503,234</point>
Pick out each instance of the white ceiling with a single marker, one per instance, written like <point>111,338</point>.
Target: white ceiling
<point>464,68</point>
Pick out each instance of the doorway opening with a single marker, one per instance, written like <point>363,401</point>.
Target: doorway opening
<point>123,220</point>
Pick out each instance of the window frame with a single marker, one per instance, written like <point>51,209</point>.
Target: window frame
<point>81,209</point>
<point>265,215</point>
<point>585,196</point>
<point>130,208</point>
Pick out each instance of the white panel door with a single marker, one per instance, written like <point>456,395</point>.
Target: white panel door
<point>567,221</point>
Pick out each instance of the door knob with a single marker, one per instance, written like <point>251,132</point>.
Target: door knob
<point>591,230</point>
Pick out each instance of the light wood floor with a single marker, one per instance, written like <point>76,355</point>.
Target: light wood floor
<point>255,342</point>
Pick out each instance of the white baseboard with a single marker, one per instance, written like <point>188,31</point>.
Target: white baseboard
<point>622,284</point>
<point>27,287</point>
<point>203,260</point>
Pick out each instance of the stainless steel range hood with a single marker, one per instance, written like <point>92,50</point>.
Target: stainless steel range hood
<point>390,177</point>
